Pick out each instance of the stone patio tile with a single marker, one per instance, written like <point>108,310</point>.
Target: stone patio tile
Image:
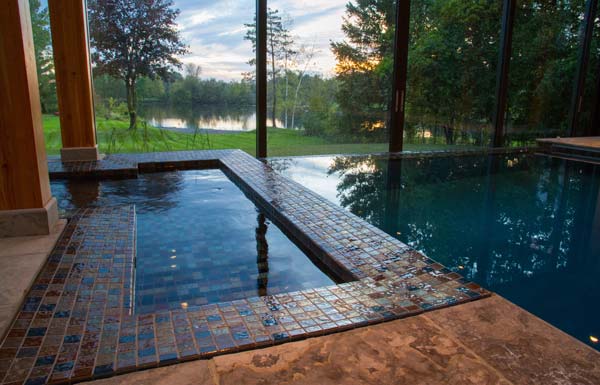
<point>490,341</point>
<point>21,259</point>
<point>523,347</point>
<point>14,246</point>
<point>409,351</point>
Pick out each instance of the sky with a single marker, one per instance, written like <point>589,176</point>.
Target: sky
<point>214,31</point>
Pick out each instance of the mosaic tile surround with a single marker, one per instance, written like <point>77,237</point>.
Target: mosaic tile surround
<point>77,322</point>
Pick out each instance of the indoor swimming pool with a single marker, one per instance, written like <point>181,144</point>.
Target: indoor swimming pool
<point>524,226</point>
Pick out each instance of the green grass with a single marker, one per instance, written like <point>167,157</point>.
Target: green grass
<point>114,137</point>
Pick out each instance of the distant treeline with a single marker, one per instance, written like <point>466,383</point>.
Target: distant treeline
<point>297,96</point>
<point>452,66</point>
<point>179,89</point>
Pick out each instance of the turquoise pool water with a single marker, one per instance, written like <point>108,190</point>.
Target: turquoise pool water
<point>199,239</point>
<point>524,226</point>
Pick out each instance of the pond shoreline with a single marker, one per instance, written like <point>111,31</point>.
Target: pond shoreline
<point>201,130</point>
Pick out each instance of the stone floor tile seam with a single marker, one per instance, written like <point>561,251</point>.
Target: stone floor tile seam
<point>458,342</point>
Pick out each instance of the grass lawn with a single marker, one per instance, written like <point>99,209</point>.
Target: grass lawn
<point>114,137</point>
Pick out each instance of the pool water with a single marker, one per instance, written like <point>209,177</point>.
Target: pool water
<point>199,239</point>
<point>524,226</point>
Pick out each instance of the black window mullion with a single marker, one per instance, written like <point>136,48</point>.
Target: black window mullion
<point>398,102</point>
<point>506,35</point>
<point>580,76</point>
<point>261,78</point>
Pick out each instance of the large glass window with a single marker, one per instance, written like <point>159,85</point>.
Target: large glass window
<point>329,76</point>
<point>172,75</point>
<point>42,41</point>
<point>542,70</point>
<point>590,93</point>
<point>180,74</point>
<point>453,55</point>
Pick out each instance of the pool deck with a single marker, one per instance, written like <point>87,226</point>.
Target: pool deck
<point>490,341</point>
<point>586,149</point>
<point>21,260</point>
<point>77,322</point>
<point>589,143</point>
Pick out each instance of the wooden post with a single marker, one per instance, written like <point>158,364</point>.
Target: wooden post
<point>26,204</point>
<point>68,23</point>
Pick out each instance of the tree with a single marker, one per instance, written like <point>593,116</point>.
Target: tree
<point>452,61</point>
<point>304,61</point>
<point>134,38</point>
<point>193,70</point>
<point>364,67</point>
<point>42,42</point>
<point>545,43</point>
<point>289,56</point>
<point>279,51</point>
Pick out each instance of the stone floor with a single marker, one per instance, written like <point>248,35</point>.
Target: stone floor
<point>21,259</point>
<point>490,341</point>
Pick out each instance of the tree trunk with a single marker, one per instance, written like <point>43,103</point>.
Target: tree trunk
<point>449,134</point>
<point>274,84</point>
<point>301,76</point>
<point>274,104</point>
<point>285,102</point>
<point>131,103</point>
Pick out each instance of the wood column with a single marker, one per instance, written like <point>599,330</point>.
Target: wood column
<point>26,204</point>
<point>68,23</point>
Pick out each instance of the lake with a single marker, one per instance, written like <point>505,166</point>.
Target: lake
<point>190,118</point>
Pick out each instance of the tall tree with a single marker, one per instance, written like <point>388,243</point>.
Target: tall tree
<point>134,38</point>
<point>452,62</point>
<point>279,50</point>
<point>42,42</point>
<point>193,70</point>
<point>452,65</point>
<point>304,59</point>
<point>545,43</point>
<point>364,66</point>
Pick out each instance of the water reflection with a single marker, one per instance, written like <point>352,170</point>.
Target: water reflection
<point>199,239</point>
<point>262,255</point>
<point>526,227</point>
<point>216,118</point>
<point>82,194</point>
<point>158,192</point>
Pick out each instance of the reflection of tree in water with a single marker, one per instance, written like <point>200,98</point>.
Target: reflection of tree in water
<point>281,165</point>
<point>262,255</point>
<point>361,187</point>
<point>191,114</point>
<point>496,219</point>
<point>152,192</point>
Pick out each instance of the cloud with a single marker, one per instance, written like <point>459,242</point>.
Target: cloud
<point>214,31</point>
